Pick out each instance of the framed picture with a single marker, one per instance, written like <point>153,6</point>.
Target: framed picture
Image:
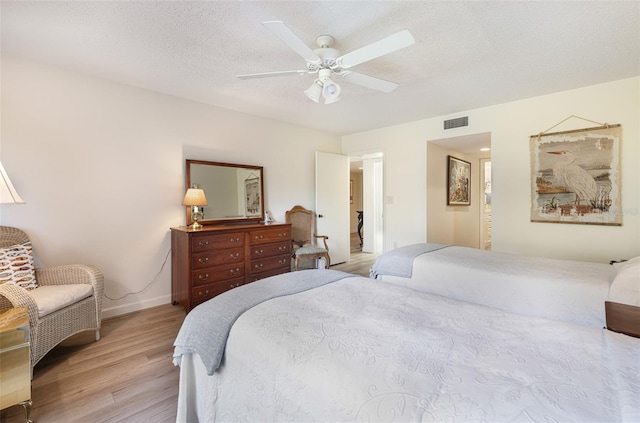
<point>252,197</point>
<point>575,176</point>
<point>458,182</point>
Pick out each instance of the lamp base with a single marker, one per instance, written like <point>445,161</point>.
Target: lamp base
<point>195,226</point>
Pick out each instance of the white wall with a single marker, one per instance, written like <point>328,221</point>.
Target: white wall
<point>510,125</point>
<point>101,167</point>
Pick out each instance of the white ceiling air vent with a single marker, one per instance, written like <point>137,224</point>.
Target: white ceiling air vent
<point>456,123</point>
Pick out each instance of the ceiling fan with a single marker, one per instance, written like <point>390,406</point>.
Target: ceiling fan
<point>327,62</point>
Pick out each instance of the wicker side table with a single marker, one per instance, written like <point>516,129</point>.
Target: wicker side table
<point>15,364</point>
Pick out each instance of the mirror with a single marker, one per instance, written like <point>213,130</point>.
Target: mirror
<point>234,192</point>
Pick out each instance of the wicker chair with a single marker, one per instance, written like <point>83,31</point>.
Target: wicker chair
<point>303,236</point>
<point>49,330</point>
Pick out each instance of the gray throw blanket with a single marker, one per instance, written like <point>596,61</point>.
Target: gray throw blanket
<point>206,328</point>
<point>399,262</point>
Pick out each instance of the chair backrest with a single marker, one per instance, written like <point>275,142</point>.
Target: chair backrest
<point>302,225</point>
<point>11,236</point>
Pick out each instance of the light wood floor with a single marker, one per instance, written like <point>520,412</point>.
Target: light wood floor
<point>128,375</point>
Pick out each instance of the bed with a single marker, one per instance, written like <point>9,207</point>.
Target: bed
<point>572,291</point>
<point>338,347</point>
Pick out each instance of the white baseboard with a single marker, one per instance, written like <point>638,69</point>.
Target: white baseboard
<point>129,308</point>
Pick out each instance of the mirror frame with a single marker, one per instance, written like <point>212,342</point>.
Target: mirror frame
<point>251,219</point>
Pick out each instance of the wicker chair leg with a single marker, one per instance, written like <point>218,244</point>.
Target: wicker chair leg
<point>97,335</point>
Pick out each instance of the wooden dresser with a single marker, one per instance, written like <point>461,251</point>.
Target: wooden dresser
<point>209,261</point>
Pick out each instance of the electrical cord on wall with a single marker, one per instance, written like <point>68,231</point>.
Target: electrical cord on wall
<point>148,285</point>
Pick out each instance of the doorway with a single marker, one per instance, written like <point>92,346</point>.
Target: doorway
<point>485,204</point>
<point>366,202</point>
<point>454,224</point>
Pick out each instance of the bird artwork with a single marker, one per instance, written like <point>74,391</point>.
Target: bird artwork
<point>575,176</point>
<point>568,174</point>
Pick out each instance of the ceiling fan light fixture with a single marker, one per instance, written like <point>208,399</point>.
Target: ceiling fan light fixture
<point>331,100</point>
<point>314,91</point>
<point>330,91</point>
<point>328,61</point>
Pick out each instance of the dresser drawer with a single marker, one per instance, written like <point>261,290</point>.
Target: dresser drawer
<point>218,273</point>
<point>213,259</point>
<point>270,263</point>
<point>206,292</point>
<point>265,236</point>
<point>217,241</point>
<point>270,250</point>
<point>217,257</point>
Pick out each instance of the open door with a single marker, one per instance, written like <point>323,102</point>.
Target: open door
<point>332,203</point>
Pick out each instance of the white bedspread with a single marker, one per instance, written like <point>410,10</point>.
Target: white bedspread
<point>363,350</point>
<point>571,291</point>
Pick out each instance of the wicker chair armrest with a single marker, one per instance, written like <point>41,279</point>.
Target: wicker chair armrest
<point>324,239</point>
<point>70,274</point>
<point>14,296</point>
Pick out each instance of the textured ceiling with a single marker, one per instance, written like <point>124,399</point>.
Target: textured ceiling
<point>467,54</point>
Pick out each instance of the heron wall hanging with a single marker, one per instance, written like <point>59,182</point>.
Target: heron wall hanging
<point>575,175</point>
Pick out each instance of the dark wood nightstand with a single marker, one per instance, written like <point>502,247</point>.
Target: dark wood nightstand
<point>623,318</point>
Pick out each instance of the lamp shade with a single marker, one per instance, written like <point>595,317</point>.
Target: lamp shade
<point>314,91</point>
<point>194,197</point>
<point>331,91</point>
<point>8,194</point>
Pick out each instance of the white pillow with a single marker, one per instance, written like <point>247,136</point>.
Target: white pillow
<point>625,288</point>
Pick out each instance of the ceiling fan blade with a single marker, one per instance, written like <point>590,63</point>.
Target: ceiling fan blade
<point>270,74</point>
<point>282,31</point>
<point>379,48</point>
<point>368,81</point>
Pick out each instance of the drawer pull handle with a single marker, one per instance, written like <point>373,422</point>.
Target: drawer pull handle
<point>234,285</point>
<point>203,277</point>
<point>283,248</point>
<point>234,271</point>
<point>282,261</point>
<point>234,256</point>
<point>282,234</point>
<point>203,294</point>
<point>203,243</point>
<point>259,266</point>
<point>234,240</point>
<point>259,237</point>
<point>259,252</point>
<point>203,260</point>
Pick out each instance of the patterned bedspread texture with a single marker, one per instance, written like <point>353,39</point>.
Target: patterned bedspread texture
<point>399,261</point>
<point>206,327</point>
<point>567,290</point>
<point>361,349</point>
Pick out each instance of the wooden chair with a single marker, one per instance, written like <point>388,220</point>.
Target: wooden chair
<point>68,299</point>
<point>304,237</point>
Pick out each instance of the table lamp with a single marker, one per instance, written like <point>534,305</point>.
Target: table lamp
<point>195,198</point>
